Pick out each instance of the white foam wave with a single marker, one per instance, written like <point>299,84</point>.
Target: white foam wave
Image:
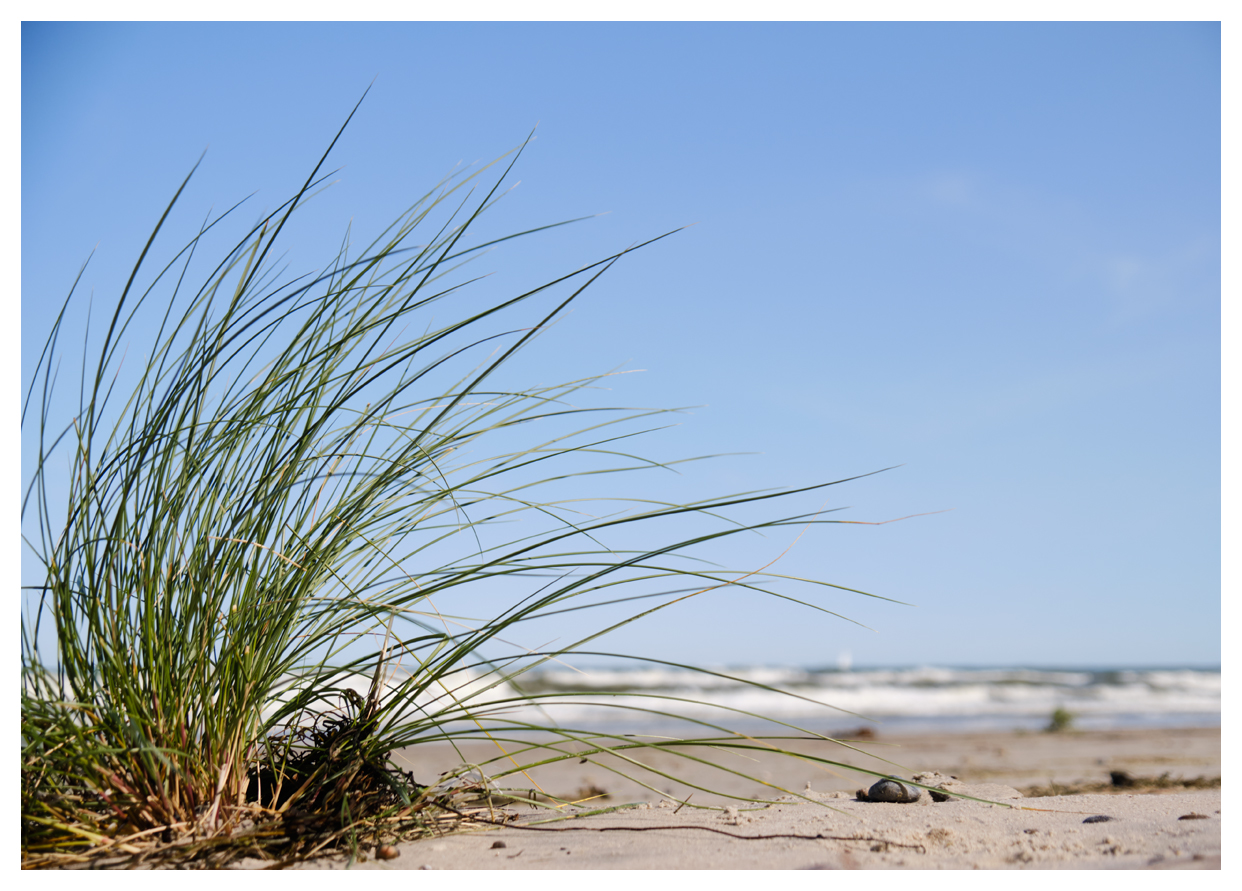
<point>926,692</point>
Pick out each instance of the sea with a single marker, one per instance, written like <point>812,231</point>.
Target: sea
<point>835,701</point>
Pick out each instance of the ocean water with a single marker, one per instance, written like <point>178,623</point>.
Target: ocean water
<point>904,699</point>
<point>835,701</point>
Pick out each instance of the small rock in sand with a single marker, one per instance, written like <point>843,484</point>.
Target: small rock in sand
<point>945,785</point>
<point>891,790</point>
<point>935,778</point>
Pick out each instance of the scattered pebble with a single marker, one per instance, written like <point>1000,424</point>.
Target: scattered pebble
<point>891,790</point>
<point>387,852</point>
<point>1193,816</point>
<point>1098,818</point>
<point>499,844</point>
<point>934,778</point>
<point>946,788</point>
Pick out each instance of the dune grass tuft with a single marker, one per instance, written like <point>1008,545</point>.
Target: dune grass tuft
<point>259,560</point>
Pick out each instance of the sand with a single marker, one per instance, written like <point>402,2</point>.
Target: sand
<point>826,827</point>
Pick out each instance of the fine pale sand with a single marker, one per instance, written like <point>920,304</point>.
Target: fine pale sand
<point>834,830</point>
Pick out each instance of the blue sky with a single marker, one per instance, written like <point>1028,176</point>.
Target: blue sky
<point>987,253</point>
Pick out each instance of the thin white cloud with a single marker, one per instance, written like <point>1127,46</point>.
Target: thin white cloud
<point>1061,234</point>
<point>1142,284</point>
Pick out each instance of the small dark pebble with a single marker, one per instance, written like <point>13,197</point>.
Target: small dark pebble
<point>1098,818</point>
<point>1193,817</point>
<point>499,844</point>
<point>938,796</point>
<point>891,790</point>
<point>1120,778</point>
<point>387,852</point>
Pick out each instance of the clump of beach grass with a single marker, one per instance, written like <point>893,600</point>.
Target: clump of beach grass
<point>258,563</point>
<point>1061,720</point>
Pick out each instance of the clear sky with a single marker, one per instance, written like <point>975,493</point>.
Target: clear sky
<point>987,253</point>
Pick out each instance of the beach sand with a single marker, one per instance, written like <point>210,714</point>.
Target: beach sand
<point>834,830</point>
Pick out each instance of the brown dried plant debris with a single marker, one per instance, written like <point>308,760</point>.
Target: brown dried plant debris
<point>1119,781</point>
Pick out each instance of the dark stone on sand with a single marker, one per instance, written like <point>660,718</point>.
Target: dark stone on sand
<point>499,844</point>
<point>892,790</point>
<point>1120,778</point>
<point>942,788</point>
<point>938,781</point>
<point>1193,817</point>
<point>1099,818</point>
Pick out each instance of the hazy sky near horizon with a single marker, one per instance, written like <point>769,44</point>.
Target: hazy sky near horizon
<point>987,253</point>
